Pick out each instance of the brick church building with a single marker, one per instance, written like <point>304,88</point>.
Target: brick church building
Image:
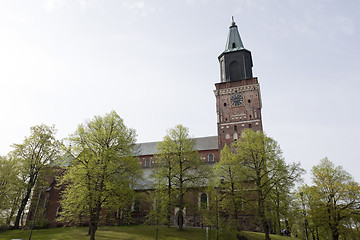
<point>238,107</point>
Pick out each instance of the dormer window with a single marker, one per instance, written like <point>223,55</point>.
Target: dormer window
<point>233,45</point>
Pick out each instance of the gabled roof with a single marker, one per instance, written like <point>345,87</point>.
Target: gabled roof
<point>202,143</point>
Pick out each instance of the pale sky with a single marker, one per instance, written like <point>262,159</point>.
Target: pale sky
<point>155,63</point>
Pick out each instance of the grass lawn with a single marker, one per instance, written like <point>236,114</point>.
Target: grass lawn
<point>142,232</point>
<point>261,236</point>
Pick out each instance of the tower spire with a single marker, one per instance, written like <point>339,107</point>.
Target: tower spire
<point>233,42</point>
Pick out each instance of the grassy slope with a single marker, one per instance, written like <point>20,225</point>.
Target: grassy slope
<point>132,232</point>
<point>105,233</point>
<point>260,236</point>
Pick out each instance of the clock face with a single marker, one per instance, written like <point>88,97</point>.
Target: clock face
<point>236,99</point>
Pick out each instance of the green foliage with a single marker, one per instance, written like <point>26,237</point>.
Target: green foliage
<point>179,169</point>
<point>103,172</point>
<point>254,166</point>
<point>332,203</point>
<point>9,189</point>
<point>39,150</point>
<point>229,181</point>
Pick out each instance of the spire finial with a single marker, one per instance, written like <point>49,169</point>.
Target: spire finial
<point>233,42</point>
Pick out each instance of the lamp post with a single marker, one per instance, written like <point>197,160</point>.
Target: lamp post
<point>304,212</point>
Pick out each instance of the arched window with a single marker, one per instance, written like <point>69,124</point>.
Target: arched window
<point>58,211</point>
<point>235,136</point>
<point>235,71</point>
<point>211,157</point>
<point>235,128</point>
<point>203,201</point>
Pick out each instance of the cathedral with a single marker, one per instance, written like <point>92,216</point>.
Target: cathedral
<point>238,102</point>
<point>238,107</point>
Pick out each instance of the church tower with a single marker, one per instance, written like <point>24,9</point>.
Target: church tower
<point>238,100</point>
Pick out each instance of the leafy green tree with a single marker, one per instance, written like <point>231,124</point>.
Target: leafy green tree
<point>179,169</point>
<point>261,163</point>
<point>312,213</point>
<point>9,189</point>
<point>281,196</point>
<point>103,173</point>
<point>333,200</point>
<point>33,155</point>
<point>230,180</point>
<point>160,212</point>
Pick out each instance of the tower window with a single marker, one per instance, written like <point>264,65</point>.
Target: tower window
<point>235,128</point>
<point>250,116</point>
<point>249,101</point>
<point>224,104</point>
<point>235,71</point>
<point>233,45</point>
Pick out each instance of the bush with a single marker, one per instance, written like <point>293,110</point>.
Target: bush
<point>42,224</point>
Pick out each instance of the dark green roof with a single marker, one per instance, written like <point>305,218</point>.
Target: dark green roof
<point>233,42</point>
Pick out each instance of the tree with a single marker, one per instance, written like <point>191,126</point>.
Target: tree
<point>333,199</point>
<point>33,155</point>
<point>230,180</point>
<point>262,164</point>
<point>103,172</point>
<point>9,189</point>
<point>281,196</point>
<point>179,168</point>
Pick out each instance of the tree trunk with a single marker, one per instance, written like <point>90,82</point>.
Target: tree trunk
<point>22,206</point>
<point>169,201</point>
<point>181,195</point>
<point>92,230</point>
<point>168,217</point>
<point>277,204</point>
<point>334,234</point>
<point>12,211</point>
<point>261,213</point>
<point>93,224</point>
<point>266,229</point>
<point>180,220</point>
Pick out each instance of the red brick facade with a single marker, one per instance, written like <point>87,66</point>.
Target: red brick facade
<point>236,114</point>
